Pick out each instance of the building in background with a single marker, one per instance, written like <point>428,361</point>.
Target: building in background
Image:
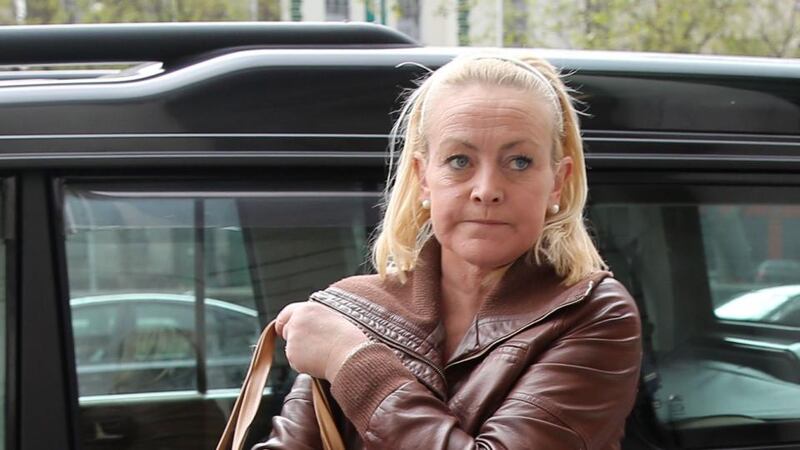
<point>738,27</point>
<point>726,27</point>
<point>431,22</point>
<point>515,23</point>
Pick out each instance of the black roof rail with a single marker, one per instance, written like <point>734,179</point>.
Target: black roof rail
<point>171,42</point>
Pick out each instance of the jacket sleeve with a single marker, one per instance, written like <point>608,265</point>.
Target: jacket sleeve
<point>576,395</point>
<point>296,426</point>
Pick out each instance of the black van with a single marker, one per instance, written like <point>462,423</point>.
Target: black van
<point>166,189</point>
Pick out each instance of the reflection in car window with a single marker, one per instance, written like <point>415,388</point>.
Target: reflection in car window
<point>170,290</point>
<point>754,261</point>
<point>690,265</point>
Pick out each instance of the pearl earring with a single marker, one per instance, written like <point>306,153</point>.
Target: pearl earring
<point>554,209</point>
<point>426,204</point>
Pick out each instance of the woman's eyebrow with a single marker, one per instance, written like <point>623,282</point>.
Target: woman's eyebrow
<point>517,142</point>
<point>464,143</point>
<point>460,142</point>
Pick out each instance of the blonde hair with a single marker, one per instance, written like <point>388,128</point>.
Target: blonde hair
<point>564,242</point>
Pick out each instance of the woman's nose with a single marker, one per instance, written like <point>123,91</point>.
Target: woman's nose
<point>487,188</point>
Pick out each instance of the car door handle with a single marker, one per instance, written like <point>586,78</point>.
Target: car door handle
<point>101,435</point>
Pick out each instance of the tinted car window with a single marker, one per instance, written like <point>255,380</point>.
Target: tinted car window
<point>721,368</point>
<point>753,253</point>
<point>169,292</point>
<point>126,343</point>
<point>3,322</point>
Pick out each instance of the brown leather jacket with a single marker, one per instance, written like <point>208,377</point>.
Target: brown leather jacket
<point>543,366</point>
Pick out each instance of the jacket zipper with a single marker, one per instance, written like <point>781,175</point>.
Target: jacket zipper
<point>522,328</point>
<point>390,342</point>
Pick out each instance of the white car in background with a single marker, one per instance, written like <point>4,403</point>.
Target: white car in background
<point>146,342</point>
<point>779,305</point>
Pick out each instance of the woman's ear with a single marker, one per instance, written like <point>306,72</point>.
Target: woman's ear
<point>563,172</point>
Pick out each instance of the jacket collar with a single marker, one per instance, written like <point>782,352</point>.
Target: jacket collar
<point>406,316</point>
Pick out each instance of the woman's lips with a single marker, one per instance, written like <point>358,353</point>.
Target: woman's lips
<point>487,222</point>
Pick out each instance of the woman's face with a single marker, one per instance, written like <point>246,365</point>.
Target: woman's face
<point>488,173</point>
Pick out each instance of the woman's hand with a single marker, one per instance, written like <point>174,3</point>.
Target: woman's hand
<point>318,340</point>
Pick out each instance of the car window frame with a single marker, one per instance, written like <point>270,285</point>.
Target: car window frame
<point>234,179</point>
<point>9,235</point>
<point>620,186</point>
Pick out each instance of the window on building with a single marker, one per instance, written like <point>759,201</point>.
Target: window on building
<point>337,10</point>
<point>408,20</point>
<point>170,288</point>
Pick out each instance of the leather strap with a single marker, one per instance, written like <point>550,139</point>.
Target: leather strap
<point>246,406</point>
<point>331,440</point>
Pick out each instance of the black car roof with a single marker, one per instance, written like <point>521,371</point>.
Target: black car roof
<point>173,42</point>
<point>298,86</point>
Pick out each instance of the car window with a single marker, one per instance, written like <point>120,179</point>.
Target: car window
<point>753,254</point>
<point>3,318</point>
<point>712,272</point>
<point>169,291</point>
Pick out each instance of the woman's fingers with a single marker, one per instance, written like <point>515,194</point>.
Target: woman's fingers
<point>283,319</point>
<point>316,336</point>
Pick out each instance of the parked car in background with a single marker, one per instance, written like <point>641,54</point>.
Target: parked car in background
<point>145,342</point>
<point>166,193</point>
<point>779,305</point>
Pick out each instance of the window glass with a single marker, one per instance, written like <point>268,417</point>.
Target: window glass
<point>3,308</point>
<point>170,289</point>
<point>408,17</point>
<point>754,261</point>
<point>713,274</point>
<point>337,10</point>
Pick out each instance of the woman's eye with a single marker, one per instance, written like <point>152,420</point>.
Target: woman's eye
<point>458,161</point>
<point>521,162</point>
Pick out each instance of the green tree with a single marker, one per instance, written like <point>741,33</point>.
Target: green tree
<point>7,15</point>
<point>770,28</point>
<point>740,27</point>
<point>686,26</point>
<point>268,10</point>
<point>44,11</point>
<point>517,23</point>
<point>120,11</point>
<point>104,11</point>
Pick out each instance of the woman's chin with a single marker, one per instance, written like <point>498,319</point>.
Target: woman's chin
<point>488,256</point>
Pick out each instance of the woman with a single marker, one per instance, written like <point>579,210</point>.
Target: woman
<point>491,322</point>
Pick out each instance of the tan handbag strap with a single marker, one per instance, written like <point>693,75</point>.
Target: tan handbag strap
<point>246,406</point>
<point>331,439</point>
